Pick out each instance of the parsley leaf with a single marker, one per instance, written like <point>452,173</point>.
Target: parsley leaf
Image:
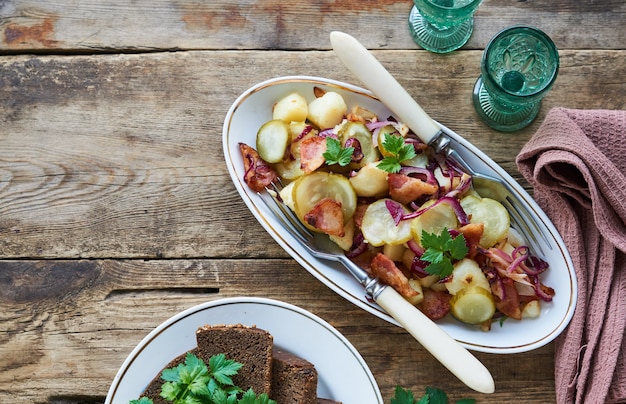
<point>399,152</point>
<point>142,400</point>
<point>403,396</point>
<point>192,382</point>
<point>432,396</point>
<point>222,369</point>
<point>336,154</point>
<point>185,379</point>
<point>441,250</point>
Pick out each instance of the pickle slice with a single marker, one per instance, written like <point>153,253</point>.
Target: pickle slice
<point>290,168</point>
<point>434,220</point>
<point>379,228</point>
<point>472,305</point>
<point>310,189</point>
<point>492,214</point>
<point>358,131</point>
<point>272,140</point>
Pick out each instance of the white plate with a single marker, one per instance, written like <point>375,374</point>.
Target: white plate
<point>294,329</point>
<point>254,107</point>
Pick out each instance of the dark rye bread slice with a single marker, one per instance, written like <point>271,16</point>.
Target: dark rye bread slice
<point>250,346</point>
<point>294,379</point>
<point>153,391</point>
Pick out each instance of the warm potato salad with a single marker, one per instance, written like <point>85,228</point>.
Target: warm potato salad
<point>404,213</point>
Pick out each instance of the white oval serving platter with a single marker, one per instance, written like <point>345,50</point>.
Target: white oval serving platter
<point>254,107</point>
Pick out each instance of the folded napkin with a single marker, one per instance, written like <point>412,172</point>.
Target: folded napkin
<point>576,163</point>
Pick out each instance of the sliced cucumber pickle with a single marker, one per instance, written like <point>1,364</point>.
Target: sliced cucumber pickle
<point>472,305</point>
<point>434,220</point>
<point>310,189</point>
<point>290,168</point>
<point>492,214</point>
<point>359,131</point>
<point>379,228</point>
<point>385,130</point>
<point>272,140</point>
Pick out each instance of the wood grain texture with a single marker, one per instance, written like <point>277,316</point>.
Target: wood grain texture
<point>67,328</point>
<point>120,156</point>
<point>116,208</point>
<point>145,26</point>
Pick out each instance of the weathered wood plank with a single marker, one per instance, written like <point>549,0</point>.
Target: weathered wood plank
<point>71,324</point>
<point>100,154</point>
<point>117,25</point>
<point>121,156</point>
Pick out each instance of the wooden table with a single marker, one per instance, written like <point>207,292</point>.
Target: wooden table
<point>116,208</point>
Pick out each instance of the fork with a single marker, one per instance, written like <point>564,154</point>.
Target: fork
<point>378,80</point>
<point>495,188</point>
<point>457,359</point>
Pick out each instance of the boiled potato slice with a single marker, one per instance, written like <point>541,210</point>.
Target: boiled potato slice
<point>358,131</point>
<point>492,214</point>
<point>370,181</point>
<point>515,238</point>
<point>379,228</point>
<point>434,220</point>
<point>531,309</point>
<point>345,241</point>
<point>394,252</point>
<point>291,108</point>
<point>286,195</point>
<point>466,273</point>
<point>327,111</point>
<point>473,305</point>
<point>416,286</point>
<point>272,140</point>
<point>310,189</point>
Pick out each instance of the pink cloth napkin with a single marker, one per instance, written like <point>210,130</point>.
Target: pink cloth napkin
<point>576,163</point>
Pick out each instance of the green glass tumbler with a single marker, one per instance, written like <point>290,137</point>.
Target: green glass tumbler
<point>442,26</point>
<point>518,68</point>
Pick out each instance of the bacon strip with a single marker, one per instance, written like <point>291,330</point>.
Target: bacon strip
<point>258,173</point>
<point>388,273</point>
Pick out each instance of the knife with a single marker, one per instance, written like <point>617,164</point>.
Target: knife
<point>384,86</point>
<point>458,360</point>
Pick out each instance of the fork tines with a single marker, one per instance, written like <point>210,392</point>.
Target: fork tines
<point>284,213</point>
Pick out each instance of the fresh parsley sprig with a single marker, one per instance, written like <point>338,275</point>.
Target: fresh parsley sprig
<point>194,382</point>
<point>337,154</point>
<point>432,396</point>
<point>441,250</point>
<point>399,151</point>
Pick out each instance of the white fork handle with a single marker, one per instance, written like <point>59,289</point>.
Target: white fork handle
<point>449,352</point>
<point>380,82</point>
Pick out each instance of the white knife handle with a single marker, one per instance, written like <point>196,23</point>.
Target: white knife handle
<point>449,352</point>
<point>380,82</point>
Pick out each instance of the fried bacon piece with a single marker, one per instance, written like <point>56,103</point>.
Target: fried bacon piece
<point>472,233</point>
<point>359,213</point>
<point>436,304</point>
<point>507,298</point>
<point>405,189</point>
<point>312,151</point>
<point>258,173</point>
<point>327,217</point>
<point>359,114</point>
<point>318,92</point>
<point>386,270</point>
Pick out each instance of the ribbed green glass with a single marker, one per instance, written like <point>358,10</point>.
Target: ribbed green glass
<point>518,67</point>
<point>442,26</point>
